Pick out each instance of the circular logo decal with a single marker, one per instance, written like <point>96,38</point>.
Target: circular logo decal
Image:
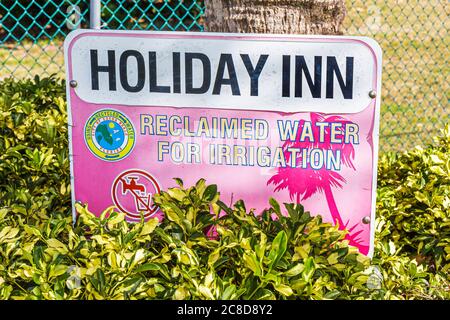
<point>109,135</point>
<point>132,193</point>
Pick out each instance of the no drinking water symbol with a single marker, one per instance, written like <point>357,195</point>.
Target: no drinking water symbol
<point>132,193</point>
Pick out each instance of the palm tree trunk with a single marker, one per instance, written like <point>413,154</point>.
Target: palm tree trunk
<point>333,208</point>
<point>275,16</point>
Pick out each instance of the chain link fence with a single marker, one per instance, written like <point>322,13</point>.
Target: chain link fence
<point>415,86</point>
<point>412,33</point>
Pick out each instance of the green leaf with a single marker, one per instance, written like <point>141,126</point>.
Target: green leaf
<point>264,294</point>
<point>228,292</point>
<point>176,193</point>
<point>3,213</point>
<point>7,233</point>
<point>57,270</point>
<point>332,295</point>
<point>310,268</point>
<point>284,289</point>
<point>294,211</point>
<point>278,249</point>
<point>210,193</point>
<point>57,245</point>
<point>333,258</point>
<point>295,270</point>
<point>32,230</point>
<point>213,257</point>
<point>206,292</point>
<point>276,206</point>
<point>115,218</point>
<point>179,182</point>
<point>252,263</point>
<point>180,293</point>
<point>148,267</point>
<point>149,226</point>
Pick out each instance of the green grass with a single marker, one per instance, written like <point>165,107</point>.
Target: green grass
<point>415,86</point>
<point>28,59</point>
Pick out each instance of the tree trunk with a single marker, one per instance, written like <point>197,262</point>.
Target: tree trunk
<point>275,16</point>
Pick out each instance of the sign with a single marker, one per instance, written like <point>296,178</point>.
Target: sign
<point>290,117</point>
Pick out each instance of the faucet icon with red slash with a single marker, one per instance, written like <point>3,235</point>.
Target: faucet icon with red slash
<point>141,197</point>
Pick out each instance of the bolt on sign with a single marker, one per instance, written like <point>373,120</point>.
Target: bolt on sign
<point>290,117</point>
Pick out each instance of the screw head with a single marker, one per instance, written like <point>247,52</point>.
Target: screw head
<point>366,220</point>
<point>73,83</point>
<point>372,94</point>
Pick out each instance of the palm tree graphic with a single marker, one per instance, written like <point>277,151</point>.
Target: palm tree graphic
<point>302,183</point>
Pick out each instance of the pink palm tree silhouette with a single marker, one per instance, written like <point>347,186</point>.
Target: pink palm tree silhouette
<point>303,183</point>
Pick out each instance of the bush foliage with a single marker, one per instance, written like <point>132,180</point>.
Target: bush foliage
<point>194,254</point>
<point>414,201</point>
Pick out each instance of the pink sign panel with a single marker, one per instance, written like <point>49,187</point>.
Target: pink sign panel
<point>290,117</point>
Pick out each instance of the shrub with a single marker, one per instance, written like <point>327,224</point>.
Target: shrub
<point>413,203</point>
<point>44,256</point>
<point>34,162</point>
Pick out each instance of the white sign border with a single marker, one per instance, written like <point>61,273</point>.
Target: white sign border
<point>371,43</point>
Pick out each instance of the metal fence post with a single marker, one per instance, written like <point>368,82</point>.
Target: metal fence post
<point>94,14</point>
